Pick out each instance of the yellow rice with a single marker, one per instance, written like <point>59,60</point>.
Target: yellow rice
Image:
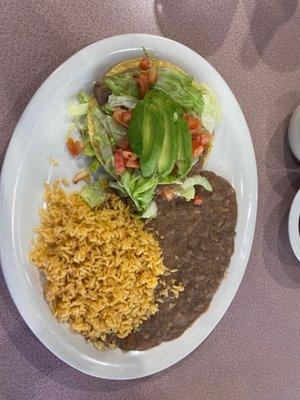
<point>101,266</point>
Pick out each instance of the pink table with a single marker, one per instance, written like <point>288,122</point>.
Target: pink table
<point>253,354</point>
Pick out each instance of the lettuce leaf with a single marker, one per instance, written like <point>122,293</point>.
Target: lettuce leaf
<point>187,188</point>
<point>93,194</point>
<point>77,110</point>
<point>94,165</point>
<point>88,148</point>
<point>141,190</point>
<point>107,109</point>
<point>188,194</point>
<point>122,84</point>
<point>99,139</point>
<point>119,101</point>
<point>114,130</point>
<point>211,112</point>
<point>83,97</point>
<point>180,88</point>
<point>196,180</point>
<point>149,53</point>
<point>151,211</point>
<point>116,185</point>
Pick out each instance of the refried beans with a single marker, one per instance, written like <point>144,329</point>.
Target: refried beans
<point>198,242</point>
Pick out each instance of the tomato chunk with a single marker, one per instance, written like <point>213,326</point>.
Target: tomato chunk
<point>143,84</point>
<point>197,148</point>
<point>129,155</point>
<point>197,138</point>
<point>152,75</point>
<point>119,161</point>
<point>205,138</point>
<point>133,163</point>
<point>198,200</point>
<point>75,147</point>
<point>193,122</point>
<point>126,116</point>
<point>122,116</point>
<point>145,63</point>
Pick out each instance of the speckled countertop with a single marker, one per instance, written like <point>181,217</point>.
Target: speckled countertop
<point>253,354</point>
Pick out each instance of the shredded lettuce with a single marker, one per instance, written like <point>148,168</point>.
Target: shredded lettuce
<point>187,188</point>
<point>151,211</point>
<point>114,130</point>
<point>122,84</point>
<point>211,112</point>
<point>99,139</point>
<point>94,165</point>
<point>116,185</point>
<point>77,110</point>
<point>141,190</point>
<point>70,129</point>
<point>188,194</point>
<point>196,180</point>
<point>88,148</point>
<point>180,88</point>
<point>93,194</point>
<point>83,97</point>
<point>107,109</point>
<point>149,53</point>
<point>122,101</point>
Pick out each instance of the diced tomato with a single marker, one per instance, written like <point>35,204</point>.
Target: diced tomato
<point>194,123</point>
<point>144,73</point>
<point>197,148</point>
<point>144,85</point>
<point>197,137</point>
<point>75,147</point>
<point>205,138</point>
<point>126,116</point>
<point>129,155</point>
<point>124,143</point>
<point>152,75</point>
<point>198,200</point>
<point>119,161</point>
<point>145,63</point>
<point>133,163</point>
<point>168,193</point>
<point>122,116</point>
<point>117,115</point>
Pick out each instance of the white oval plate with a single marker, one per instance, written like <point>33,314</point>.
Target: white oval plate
<point>293,225</point>
<point>40,135</point>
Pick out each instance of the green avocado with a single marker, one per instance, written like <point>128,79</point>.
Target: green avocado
<point>153,135</point>
<point>169,151</point>
<point>160,136</point>
<point>135,128</point>
<point>184,157</point>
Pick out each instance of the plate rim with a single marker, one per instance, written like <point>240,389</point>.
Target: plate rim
<point>12,143</point>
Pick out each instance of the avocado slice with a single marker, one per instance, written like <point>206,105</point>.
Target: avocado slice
<point>153,135</point>
<point>169,151</point>
<point>184,156</point>
<point>135,128</point>
<point>159,136</point>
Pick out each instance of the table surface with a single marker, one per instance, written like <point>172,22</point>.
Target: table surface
<point>254,351</point>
